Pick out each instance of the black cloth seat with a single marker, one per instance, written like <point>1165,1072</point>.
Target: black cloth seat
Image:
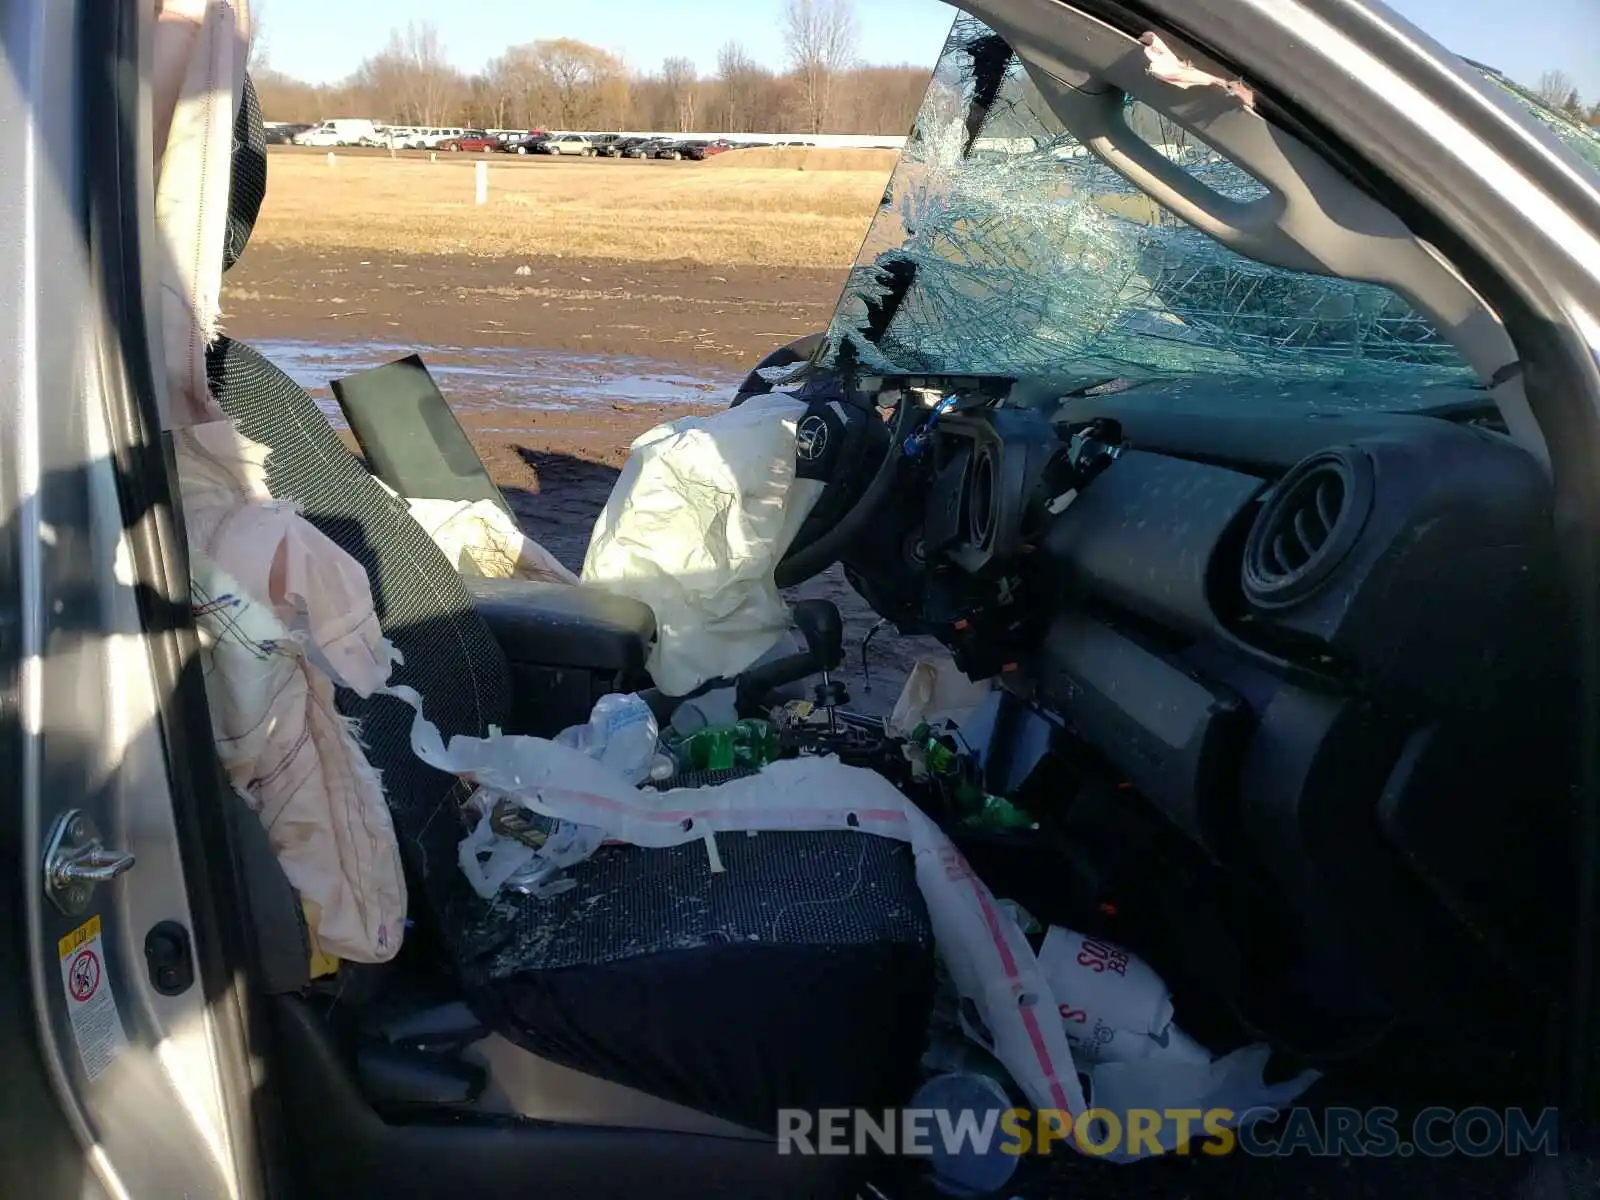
<point>801,976</point>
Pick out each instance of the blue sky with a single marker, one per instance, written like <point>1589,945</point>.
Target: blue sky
<point>322,42</point>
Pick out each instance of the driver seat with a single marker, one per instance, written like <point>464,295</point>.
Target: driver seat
<point>800,976</point>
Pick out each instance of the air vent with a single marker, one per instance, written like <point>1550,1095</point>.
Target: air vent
<point>1307,528</point>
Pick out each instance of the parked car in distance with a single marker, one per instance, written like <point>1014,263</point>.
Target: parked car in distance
<point>678,149</point>
<point>470,139</point>
<point>531,143</point>
<point>617,148</point>
<point>644,147</point>
<point>284,134</point>
<point>341,131</point>
<point>567,143</point>
<point>603,142</point>
<point>700,151</point>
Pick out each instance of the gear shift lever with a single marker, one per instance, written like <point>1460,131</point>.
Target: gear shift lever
<point>823,629</point>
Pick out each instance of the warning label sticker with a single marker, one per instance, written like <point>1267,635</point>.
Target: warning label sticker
<point>96,1024</point>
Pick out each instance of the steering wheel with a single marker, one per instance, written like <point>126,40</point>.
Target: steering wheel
<point>796,351</point>
<point>824,535</point>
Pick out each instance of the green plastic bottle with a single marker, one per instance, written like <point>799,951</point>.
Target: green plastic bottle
<point>750,743</point>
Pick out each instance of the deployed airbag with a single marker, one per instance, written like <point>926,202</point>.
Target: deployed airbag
<point>703,511</point>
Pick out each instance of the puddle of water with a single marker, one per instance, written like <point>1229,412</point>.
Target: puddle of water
<point>491,379</point>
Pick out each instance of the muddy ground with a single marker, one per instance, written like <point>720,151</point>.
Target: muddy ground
<point>682,312</point>
<point>556,460</point>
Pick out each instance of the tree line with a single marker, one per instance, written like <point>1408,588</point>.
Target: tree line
<point>561,83</point>
<point>1557,91</point>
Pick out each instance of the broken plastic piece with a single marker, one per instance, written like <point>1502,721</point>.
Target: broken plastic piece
<point>1166,66</point>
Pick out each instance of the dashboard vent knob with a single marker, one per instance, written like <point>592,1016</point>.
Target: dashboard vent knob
<point>1307,527</point>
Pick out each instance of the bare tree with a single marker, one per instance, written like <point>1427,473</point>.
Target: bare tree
<point>821,39</point>
<point>521,86</point>
<point>1554,87</point>
<point>410,77</point>
<point>683,86</point>
<point>583,81</point>
<point>741,83</point>
<point>260,59</point>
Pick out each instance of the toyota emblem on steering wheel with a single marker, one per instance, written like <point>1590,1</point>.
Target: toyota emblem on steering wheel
<point>811,439</point>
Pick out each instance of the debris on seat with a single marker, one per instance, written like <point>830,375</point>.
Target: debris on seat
<point>512,846</point>
<point>704,509</point>
<point>990,960</point>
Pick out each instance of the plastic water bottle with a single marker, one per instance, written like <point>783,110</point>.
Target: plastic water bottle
<point>963,1169</point>
<point>621,733</point>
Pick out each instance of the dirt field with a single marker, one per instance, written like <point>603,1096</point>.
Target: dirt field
<point>718,213</point>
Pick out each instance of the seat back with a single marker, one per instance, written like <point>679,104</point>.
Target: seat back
<point>410,437</point>
<point>451,658</point>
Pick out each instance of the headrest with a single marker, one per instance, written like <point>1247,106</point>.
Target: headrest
<point>249,185</point>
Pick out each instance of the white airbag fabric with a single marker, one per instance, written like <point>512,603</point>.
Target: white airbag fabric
<point>700,516</point>
<point>481,539</point>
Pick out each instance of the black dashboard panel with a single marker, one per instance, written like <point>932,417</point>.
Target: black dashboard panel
<point>1264,428</point>
<point>1416,587</point>
<point>1173,736</point>
<point>1143,535</point>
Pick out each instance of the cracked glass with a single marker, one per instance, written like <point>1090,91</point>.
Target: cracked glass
<point>1003,246</point>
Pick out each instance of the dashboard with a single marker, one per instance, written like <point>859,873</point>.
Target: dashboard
<point>1322,645</point>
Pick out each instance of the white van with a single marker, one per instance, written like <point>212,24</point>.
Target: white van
<point>432,139</point>
<point>342,131</point>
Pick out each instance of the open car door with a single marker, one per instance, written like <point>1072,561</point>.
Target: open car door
<point>122,1030</point>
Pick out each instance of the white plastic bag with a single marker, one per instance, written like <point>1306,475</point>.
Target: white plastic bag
<point>1118,1016</point>
<point>702,512</point>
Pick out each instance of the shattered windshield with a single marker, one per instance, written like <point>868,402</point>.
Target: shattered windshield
<point>1004,247</point>
<point>1582,139</point>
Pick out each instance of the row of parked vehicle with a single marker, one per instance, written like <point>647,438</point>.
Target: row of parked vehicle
<point>348,131</point>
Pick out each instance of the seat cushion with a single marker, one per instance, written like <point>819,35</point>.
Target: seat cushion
<point>800,976</point>
<point>558,625</point>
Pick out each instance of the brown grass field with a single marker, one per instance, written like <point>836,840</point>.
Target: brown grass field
<point>805,208</point>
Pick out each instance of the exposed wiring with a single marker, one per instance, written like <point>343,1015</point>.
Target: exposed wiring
<point>866,669</point>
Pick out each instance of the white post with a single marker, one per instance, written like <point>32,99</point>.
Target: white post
<point>330,158</point>
<point>483,182</point>
<point>432,157</point>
